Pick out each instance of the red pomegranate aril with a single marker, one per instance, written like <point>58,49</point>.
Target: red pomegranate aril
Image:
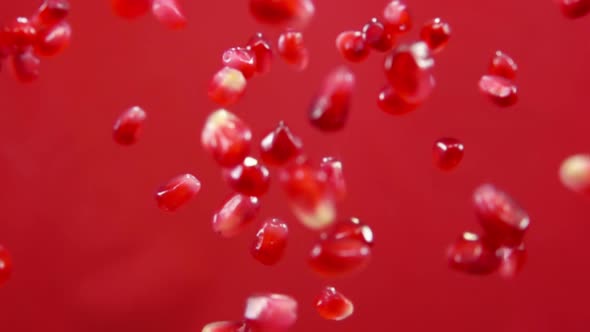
<point>471,254</point>
<point>574,173</point>
<point>226,327</point>
<point>226,138</point>
<point>52,12</point>
<point>271,241</point>
<point>177,192</point>
<point>292,50</point>
<point>436,34</point>
<point>131,9</point>
<point>339,257</point>
<point>280,146</point>
<point>503,220</point>
<point>409,71</point>
<point>350,228</point>
<point>283,12</point>
<point>375,36</point>
<point>227,86</point>
<point>236,213</point>
<point>332,305</point>
<point>574,8</point>
<point>18,34</point>
<point>26,66</point>
<point>352,46</point>
<point>5,266</point>
<point>270,312</point>
<point>396,17</point>
<point>168,12</point>
<point>499,90</point>
<point>447,153</point>
<point>329,109</point>
<point>128,126</point>
<point>240,59</point>
<point>503,65</point>
<point>53,40</point>
<point>512,260</point>
<point>333,169</point>
<point>249,178</point>
<point>390,102</point>
<point>262,51</point>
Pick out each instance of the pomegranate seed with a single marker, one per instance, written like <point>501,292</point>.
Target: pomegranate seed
<point>283,12</point>
<point>375,36</point>
<point>500,90</point>
<point>237,213</point>
<point>262,52</point>
<point>280,146</point>
<point>25,66</point>
<point>128,126</point>
<point>338,257</point>
<point>226,327</point>
<point>447,153</point>
<point>352,46</point>
<point>396,17</point>
<point>18,34</point>
<point>350,228</point>
<point>502,219</point>
<point>177,192</point>
<point>227,86</point>
<point>512,260</point>
<point>502,65</point>
<point>52,12</point>
<point>226,137</point>
<point>471,254</point>
<point>333,169</point>
<point>270,312</point>
<point>329,109</point>
<point>240,59</point>
<point>271,241</point>
<point>292,49</point>
<point>390,102</point>
<point>409,71</point>
<point>53,40</point>
<point>249,178</point>
<point>169,13</point>
<point>574,8</point>
<point>332,305</point>
<point>5,266</point>
<point>436,34</point>
<point>131,9</point>
<point>575,173</point>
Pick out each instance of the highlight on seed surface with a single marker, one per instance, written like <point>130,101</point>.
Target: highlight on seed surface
<point>352,46</point>
<point>396,17</point>
<point>226,138</point>
<point>226,326</point>
<point>350,228</point>
<point>447,153</point>
<point>237,212</point>
<point>270,312</point>
<point>436,34</point>
<point>471,254</point>
<point>5,266</point>
<point>335,174</point>
<point>260,47</point>
<point>503,65</point>
<point>227,86</point>
<point>53,40</point>
<point>500,91</point>
<point>390,102</point>
<point>574,173</point>
<point>241,59</point>
<point>333,305</point>
<point>271,241</point>
<point>292,13</point>
<point>177,192</point>
<point>330,107</point>
<point>280,146</point>
<point>574,8</point>
<point>249,178</point>
<point>168,12</point>
<point>377,37</point>
<point>291,48</point>
<point>128,126</point>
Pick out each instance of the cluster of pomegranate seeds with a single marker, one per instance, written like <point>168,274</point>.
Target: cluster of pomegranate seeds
<point>283,12</point>
<point>280,146</point>
<point>226,137</point>
<point>291,48</point>
<point>270,312</point>
<point>574,173</point>
<point>226,327</point>
<point>574,8</point>
<point>271,241</point>
<point>447,153</point>
<point>5,266</point>
<point>167,12</point>
<point>127,128</point>
<point>177,192</point>
<point>436,34</point>
<point>236,213</point>
<point>332,305</point>
<point>499,84</point>
<point>330,107</point>
<point>249,178</point>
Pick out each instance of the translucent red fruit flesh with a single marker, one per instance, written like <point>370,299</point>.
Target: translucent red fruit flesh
<point>18,34</point>
<point>5,266</point>
<point>447,153</point>
<point>169,13</point>
<point>283,12</point>
<point>335,174</point>
<point>227,86</point>
<point>241,59</point>
<point>352,46</point>
<point>472,255</point>
<point>330,107</point>
<point>226,327</point>
<point>53,40</point>
<point>291,48</point>
<point>574,173</point>
<point>396,17</point>
<point>409,71</point>
<point>271,241</point>
<point>226,138</point>
<point>177,192</point>
<point>249,178</point>
<point>280,146</point>
<point>377,37</point>
<point>499,90</point>
<point>503,65</point>
<point>270,312</point>
<point>52,12</point>
<point>390,102</point>
<point>574,8</point>
<point>351,228</point>
<point>512,260</point>
<point>128,126</point>
<point>262,52</point>
<point>436,34</point>
<point>236,213</point>
<point>25,66</point>
<point>339,257</point>
<point>131,9</point>
<point>333,305</point>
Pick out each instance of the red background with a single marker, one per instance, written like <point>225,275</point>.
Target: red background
<point>93,253</point>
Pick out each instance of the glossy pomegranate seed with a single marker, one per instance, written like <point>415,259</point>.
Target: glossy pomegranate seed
<point>396,17</point>
<point>390,102</point>
<point>447,153</point>
<point>280,146</point>
<point>177,192</point>
<point>409,71</point>
<point>227,86</point>
<point>226,137</point>
<point>131,9</point>
<point>329,109</point>
<point>5,266</point>
<point>226,327</point>
<point>501,91</point>
<point>333,169</point>
<point>168,12</point>
<point>270,312</point>
<point>502,219</point>
<point>574,8</point>
<point>53,40</point>
<point>128,126</point>
<point>512,260</point>
<point>436,34</point>
<point>575,173</point>
<point>262,51</point>
<point>471,254</point>
<point>350,228</point>
<point>249,178</point>
<point>283,12</point>
<point>375,36</point>
<point>26,66</point>
<point>18,34</point>
<point>292,50</point>
<point>240,59</point>
<point>237,213</point>
<point>52,12</point>
<point>352,46</point>
<point>271,241</point>
<point>338,257</point>
<point>503,65</point>
<point>332,305</point>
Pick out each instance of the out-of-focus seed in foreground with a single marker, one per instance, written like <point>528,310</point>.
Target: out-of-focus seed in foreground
<point>226,326</point>
<point>227,86</point>
<point>5,266</point>
<point>330,107</point>
<point>270,312</point>
<point>294,13</point>
<point>574,173</point>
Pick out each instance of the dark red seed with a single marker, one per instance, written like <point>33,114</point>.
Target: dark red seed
<point>53,40</point>
<point>350,228</point>
<point>338,257</point>
<point>131,9</point>
<point>18,34</point>
<point>270,312</point>
<point>280,146</point>
<point>503,65</point>
<point>574,173</point>
<point>499,90</point>
<point>5,266</point>
<point>249,178</point>
<point>574,8</point>
<point>396,17</point>
<point>332,305</point>
<point>262,52</point>
<point>375,36</point>
<point>227,86</point>
<point>271,241</point>
<point>227,138</point>
<point>409,71</point>
<point>52,12</point>
<point>330,107</point>
<point>26,66</point>
<point>235,214</point>
<point>240,59</point>
<point>471,254</point>
<point>436,34</point>
<point>177,192</point>
<point>352,46</point>
<point>512,260</point>
<point>283,12</point>
<point>447,153</point>
<point>168,12</point>
<point>390,102</point>
<point>292,50</point>
<point>333,169</point>
<point>226,327</point>
<point>128,126</point>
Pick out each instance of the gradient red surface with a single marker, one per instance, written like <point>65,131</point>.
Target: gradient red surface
<point>92,252</point>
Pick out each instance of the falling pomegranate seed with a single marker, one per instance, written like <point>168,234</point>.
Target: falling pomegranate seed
<point>501,91</point>
<point>292,50</point>
<point>52,12</point>
<point>177,192</point>
<point>227,86</point>
<point>375,36</point>
<point>168,12</point>
<point>53,40</point>
<point>270,312</point>
<point>280,146</point>
<point>330,107</point>
<point>271,241</point>
<point>240,59</point>
<point>574,8</point>
<point>26,66</point>
<point>262,52</point>
<point>226,327</point>
<point>396,17</point>
<point>503,220</point>
<point>5,266</point>
<point>131,9</point>
<point>472,255</point>
<point>249,178</point>
<point>128,126</point>
<point>503,65</point>
<point>350,228</point>
<point>575,173</point>
<point>332,305</point>
<point>333,169</point>
<point>352,46</point>
<point>447,153</point>
<point>18,34</point>
<point>235,214</point>
<point>512,260</point>
<point>436,34</point>
<point>283,12</point>
<point>390,102</point>
<point>409,71</point>
<point>226,137</point>
<point>337,257</point>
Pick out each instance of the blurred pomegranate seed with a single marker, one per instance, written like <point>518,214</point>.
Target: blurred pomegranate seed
<point>512,260</point>
<point>501,91</point>
<point>280,146</point>
<point>283,12</point>
<point>227,86</point>
<point>249,178</point>
<point>409,71</point>
<point>226,327</point>
<point>503,65</point>
<point>53,40</point>
<point>292,50</point>
<point>237,213</point>
<point>390,102</point>
<point>226,137</point>
<point>240,59</point>
<point>26,66</point>
<point>168,12</point>
<point>447,153</point>
<point>503,220</point>
<point>271,241</point>
<point>262,51</point>
<point>396,17</point>
<point>332,305</point>
<point>19,34</point>
<point>337,257</point>
<point>52,12</point>
<point>270,312</point>
<point>436,34</point>
<point>352,46</point>
<point>330,107</point>
<point>375,36</point>
<point>574,8</point>
<point>350,228</point>
<point>128,126</point>
<point>472,255</point>
<point>5,266</point>
<point>177,192</point>
<point>333,169</point>
<point>575,173</point>
<point>131,9</point>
